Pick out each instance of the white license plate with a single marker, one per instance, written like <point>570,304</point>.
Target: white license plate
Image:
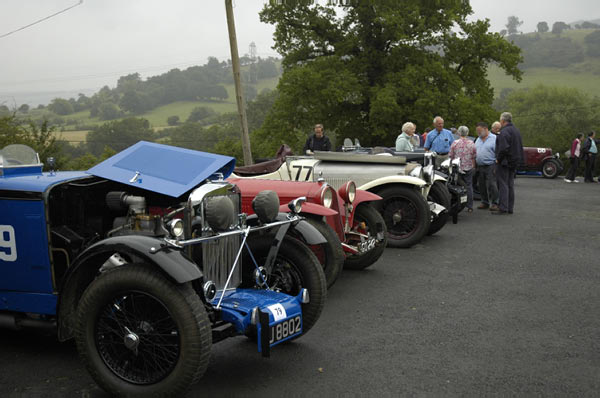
<point>285,329</point>
<point>463,199</point>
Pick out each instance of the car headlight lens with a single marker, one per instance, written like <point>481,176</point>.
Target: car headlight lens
<point>348,192</point>
<point>428,174</point>
<point>295,205</point>
<point>445,164</point>
<point>416,172</point>
<point>176,227</point>
<point>327,197</point>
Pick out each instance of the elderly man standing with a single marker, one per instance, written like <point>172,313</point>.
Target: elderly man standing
<point>465,150</point>
<point>496,128</point>
<point>509,154</point>
<point>486,167</point>
<point>439,140</point>
<point>404,142</point>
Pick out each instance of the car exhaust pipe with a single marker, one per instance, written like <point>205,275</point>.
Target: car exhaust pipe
<point>12,322</point>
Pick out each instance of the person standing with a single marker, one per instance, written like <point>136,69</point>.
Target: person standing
<point>509,154</point>
<point>464,149</point>
<point>575,154</point>
<point>589,154</point>
<point>317,141</point>
<point>404,142</point>
<point>439,140</point>
<point>486,167</point>
<point>496,128</point>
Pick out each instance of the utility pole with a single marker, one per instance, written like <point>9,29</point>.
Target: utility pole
<point>239,95</point>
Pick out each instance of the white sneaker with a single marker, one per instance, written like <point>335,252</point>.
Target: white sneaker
<point>567,180</point>
<point>574,181</point>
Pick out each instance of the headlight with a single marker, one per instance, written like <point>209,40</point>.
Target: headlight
<point>456,162</point>
<point>266,206</point>
<point>348,192</point>
<point>416,172</point>
<point>296,205</point>
<point>428,174</point>
<point>176,228</point>
<point>219,212</point>
<point>445,164</point>
<point>327,197</point>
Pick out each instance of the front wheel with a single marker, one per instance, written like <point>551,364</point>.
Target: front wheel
<point>330,254</point>
<point>139,334</point>
<point>406,215</point>
<point>550,168</point>
<point>439,194</point>
<point>295,267</point>
<point>367,221</point>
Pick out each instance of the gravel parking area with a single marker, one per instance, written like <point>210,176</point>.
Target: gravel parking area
<point>494,305</point>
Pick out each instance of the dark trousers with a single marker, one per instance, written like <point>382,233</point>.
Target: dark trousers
<point>467,177</point>
<point>590,162</point>
<point>573,170</point>
<point>488,184</point>
<point>506,188</point>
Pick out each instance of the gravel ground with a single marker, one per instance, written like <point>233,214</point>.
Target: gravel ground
<point>495,305</point>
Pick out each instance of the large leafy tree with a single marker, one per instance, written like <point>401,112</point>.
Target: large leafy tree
<point>365,69</point>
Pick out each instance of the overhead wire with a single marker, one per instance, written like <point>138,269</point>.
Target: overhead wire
<point>40,20</point>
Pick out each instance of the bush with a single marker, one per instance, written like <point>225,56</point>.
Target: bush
<point>199,113</point>
<point>173,120</point>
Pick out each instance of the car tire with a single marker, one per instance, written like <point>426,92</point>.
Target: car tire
<point>550,168</point>
<point>439,194</point>
<point>366,213</point>
<point>330,254</point>
<point>137,301</point>
<point>407,204</point>
<point>295,262</point>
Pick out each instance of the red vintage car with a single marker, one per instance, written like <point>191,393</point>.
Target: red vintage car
<point>346,218</point>
<point>541,160</point>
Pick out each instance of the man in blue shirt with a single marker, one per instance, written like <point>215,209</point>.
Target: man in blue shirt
<point>589,154</point>
<point>439,140</point>
<point>486,167</point>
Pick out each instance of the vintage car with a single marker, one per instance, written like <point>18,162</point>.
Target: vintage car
<point>146,260</point>
<point>355,231</point>
<point>404,188</point>
<point>541,160</point>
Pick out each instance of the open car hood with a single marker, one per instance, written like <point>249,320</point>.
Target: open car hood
<point>163,169</point>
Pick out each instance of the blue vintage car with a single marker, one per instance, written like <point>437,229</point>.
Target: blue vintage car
<point>145,260</point>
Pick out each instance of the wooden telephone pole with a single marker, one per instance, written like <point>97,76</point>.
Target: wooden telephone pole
<point>239,94</point>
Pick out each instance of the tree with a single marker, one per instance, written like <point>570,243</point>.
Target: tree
<point>542,27</point>
<point>512,27</point>
<point>370,69</point>
<point>60,106</point>
<point>24,108</point>
<point>108,111</point>
<point>589,25</point>
<point>118,135</point>
<point>131,102</point>
<point>551,116</point>
<point>558,27</point>
<point>592,42</point>
<point>200,113</point>
<point>173,120</point>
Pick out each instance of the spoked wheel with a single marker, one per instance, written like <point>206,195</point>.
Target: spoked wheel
<point>295,267</point>
<point>141,335</point>
<point>550,169</point>
<point>406,215</point>
<point>367,222</point>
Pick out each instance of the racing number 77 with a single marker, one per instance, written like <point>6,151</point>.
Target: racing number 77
<point>309,168</point>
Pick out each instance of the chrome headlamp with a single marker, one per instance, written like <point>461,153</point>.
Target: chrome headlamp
<point>348,192</point>
<point>175,227</point>
<point>416,172</point>
<point>428,174</point>
<point>445,164</point>
<point>327,196</point>
<point>295,205</point>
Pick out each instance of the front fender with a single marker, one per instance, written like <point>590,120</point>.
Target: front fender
<point>138,248</point>
<point>393,179</point>
<point>311,208</point>
<point>364,196</point>
<point>437,177</point>
<point>308,233</point>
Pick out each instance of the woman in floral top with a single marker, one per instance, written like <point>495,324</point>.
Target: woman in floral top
<point>464,149</point>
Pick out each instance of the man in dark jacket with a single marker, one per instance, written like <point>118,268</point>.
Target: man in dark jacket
<point>317,141</point>
<point>589,152</point>
<point>509,154</point>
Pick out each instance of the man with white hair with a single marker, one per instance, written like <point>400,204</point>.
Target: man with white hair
<point>439,140</point>
<point>496,128</point>
<point>464,149</point>
<point>509,154</point>
<point>404,140</point>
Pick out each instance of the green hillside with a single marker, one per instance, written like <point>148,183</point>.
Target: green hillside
<point>584,76</point>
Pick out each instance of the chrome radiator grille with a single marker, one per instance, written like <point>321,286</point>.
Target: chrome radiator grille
<point>218,256</point>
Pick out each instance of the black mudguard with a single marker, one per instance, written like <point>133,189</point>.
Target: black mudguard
<point>309,233</point>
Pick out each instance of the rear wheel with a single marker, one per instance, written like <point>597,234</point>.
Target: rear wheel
<point>367,221</point>
<point>141,335</point>
<point>439,194</point>
<point>550,168</point>
<point>406,215</point>
<point>295,267</point>
<point>329,254</point>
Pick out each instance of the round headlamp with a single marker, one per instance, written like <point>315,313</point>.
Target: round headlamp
<point>428,174</point>
<point>219,212</point>
<point>210,290</point>
<point>176,227</point>
<point>266,206</point>
<point>456,162</point>
<point>327,197</point>
<point>416,172</point>
<point>295,205</point>
<point>348,192</point>
<point>445,164</point>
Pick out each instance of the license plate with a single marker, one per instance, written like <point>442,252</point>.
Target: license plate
<point>286,329</point>
<point>463,199</point>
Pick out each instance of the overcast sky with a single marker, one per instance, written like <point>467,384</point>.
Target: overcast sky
<point>98,41</point>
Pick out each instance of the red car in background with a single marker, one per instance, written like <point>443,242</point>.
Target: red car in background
<point>346,218</point>
<point>541,160</point>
